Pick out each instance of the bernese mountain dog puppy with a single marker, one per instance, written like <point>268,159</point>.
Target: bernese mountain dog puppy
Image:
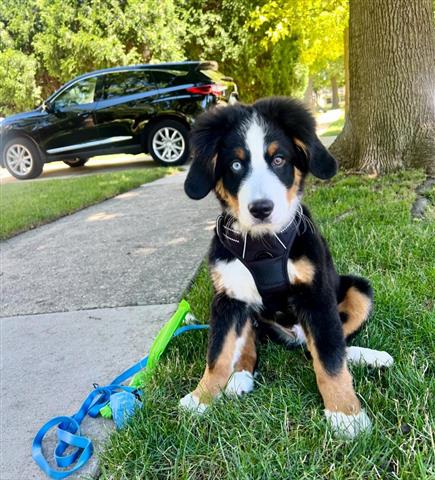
<point>272,271</point>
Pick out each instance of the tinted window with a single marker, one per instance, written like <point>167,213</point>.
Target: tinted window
<point>80,93</point>
<point>169,78</point>
<point>119,84</point>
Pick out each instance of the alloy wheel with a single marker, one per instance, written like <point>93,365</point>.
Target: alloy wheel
<point>19,159</point>
<point>168,144</point>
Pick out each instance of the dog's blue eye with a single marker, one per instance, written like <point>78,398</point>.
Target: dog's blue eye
<point>236,166</point>
<point>277,161</point>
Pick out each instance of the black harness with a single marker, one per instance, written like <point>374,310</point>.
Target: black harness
<point>266,257</point>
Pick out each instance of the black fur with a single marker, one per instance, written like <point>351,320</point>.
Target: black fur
<point>217,140</point>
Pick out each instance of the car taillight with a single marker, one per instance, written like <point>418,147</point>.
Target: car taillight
<point>212,89</point>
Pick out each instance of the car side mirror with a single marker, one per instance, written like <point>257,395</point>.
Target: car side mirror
<point>48,107</point>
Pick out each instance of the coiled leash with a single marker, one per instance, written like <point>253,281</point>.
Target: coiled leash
<point>115,399</point>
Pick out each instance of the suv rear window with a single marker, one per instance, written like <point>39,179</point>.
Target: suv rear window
<point>119,84</point>
<point>169,78</point>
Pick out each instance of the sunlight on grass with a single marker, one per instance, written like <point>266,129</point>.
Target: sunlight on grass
<point>278,431</point>
<point>26,205</point>
<point>334,128</point>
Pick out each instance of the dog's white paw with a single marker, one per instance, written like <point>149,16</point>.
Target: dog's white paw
<point>298,332</point>
<point>348,426</point>
<point>191,402</point>
<point>240,383</point>
<point>367,356</point>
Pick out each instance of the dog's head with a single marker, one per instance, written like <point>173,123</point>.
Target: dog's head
<point>255,157</point>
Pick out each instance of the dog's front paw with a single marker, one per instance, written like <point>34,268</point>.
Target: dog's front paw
<point>240,383</point>
<point>191,402</point>
<point>348,426</point>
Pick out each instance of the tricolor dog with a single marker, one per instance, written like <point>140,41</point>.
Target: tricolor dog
<point>271,269</point>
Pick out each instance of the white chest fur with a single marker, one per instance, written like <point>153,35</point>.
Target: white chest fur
<point>237,282</point>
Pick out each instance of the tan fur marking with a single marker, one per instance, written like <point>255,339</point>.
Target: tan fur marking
<point>304,271</point>
<point>357,307</point>
<point>272,148</point>
<point>300,144</point>
<point>239,153</point>
<point>336,390</point>
<point>294,189</point>
<point>215,378</point>
<point>217,281</point>
<point>230,200</point>
<point>248,357</point>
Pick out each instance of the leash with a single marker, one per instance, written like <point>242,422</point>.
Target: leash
<point>68,427</point>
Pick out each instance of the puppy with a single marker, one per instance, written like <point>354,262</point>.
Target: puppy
<point>272,271</point>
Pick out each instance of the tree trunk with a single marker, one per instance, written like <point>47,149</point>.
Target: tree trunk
<point>309,94</point>
<point>346,71</point>
<point>335,97</point>
<point>391,120</point>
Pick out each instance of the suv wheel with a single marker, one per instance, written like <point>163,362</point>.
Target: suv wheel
<point>76,162</point>
<point>22,159</point>
<point>168,143</point>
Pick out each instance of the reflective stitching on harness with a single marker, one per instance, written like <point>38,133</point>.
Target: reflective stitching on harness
<point>266,257</point>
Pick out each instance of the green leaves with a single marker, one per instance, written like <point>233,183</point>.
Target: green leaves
<point>269,47</point>
<point>18,89</point>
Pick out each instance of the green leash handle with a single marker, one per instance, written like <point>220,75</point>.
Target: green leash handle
<point>157,348</point>
<point>160,343</point>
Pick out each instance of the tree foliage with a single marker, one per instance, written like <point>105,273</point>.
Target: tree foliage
<point>18,89</point>
<point>269,47</point>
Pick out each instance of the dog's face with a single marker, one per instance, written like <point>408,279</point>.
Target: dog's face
<point>255,158</point>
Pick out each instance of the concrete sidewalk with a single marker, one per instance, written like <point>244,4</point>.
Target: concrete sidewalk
<point>136,254</point>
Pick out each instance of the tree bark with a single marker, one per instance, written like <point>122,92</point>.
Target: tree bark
<point>391,120</point>
<point>335,97</point>
<point>309,94</point>
<point>346,71</point>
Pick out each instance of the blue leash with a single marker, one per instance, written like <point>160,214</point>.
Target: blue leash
<point>68,428</point>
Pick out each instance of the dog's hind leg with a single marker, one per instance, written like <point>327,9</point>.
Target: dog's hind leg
<point>355,304</point>
<point>355,301</point>
<point>231,347</point>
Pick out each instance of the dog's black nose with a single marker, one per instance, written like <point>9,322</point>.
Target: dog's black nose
<point>261,209</point>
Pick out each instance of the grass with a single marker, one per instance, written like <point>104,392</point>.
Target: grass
<point>27,205</point>
<point>334,128</point>
<point>278,431</point>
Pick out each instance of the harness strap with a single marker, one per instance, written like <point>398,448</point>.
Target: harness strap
<point>266,258</point>
<point>68,428</point>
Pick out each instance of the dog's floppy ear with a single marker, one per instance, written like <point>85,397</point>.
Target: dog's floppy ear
<point>206,135</point>
<point>320,162</point>
<point>292,116</point>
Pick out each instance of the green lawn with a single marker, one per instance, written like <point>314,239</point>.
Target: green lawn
<point>26,205</point>
<point>278,431</point>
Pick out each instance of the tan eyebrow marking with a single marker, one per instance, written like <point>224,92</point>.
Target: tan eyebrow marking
<point>272,148</point>
<point>239,153</point>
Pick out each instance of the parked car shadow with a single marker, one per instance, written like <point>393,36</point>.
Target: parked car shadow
<point>107,163</point>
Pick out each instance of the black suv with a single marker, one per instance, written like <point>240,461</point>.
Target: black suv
<point>141,108</point>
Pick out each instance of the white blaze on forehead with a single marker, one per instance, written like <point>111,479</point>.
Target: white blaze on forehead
<point>261,182</point>
<point>255,143</point>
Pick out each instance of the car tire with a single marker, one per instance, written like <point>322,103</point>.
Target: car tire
<point>76,162</point>
<point>22,159</point>
<point>168,143</point>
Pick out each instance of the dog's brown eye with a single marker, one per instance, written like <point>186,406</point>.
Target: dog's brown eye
<point>277,161</point>
<point>236,166</point>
